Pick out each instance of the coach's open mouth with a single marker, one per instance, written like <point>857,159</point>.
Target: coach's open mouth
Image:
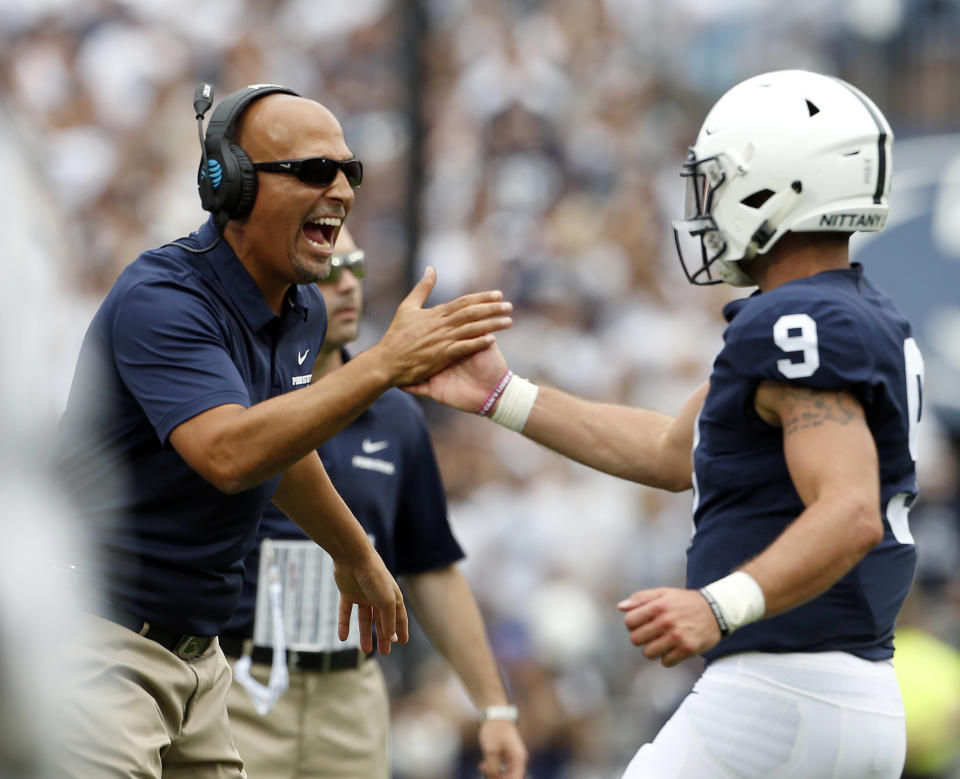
<point>321,233</point>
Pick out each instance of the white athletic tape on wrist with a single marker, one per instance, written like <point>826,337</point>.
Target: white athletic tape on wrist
<point>738,599</point>
<point>515,403</point>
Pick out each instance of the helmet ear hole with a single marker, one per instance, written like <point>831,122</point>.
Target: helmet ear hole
<point>758,198</point>
<point>812,109</point>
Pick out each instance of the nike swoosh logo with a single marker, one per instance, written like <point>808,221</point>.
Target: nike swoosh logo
<point>302,357</point>
<point>371,447</point>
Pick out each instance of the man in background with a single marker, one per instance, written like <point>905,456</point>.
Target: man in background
<point>334,718</point>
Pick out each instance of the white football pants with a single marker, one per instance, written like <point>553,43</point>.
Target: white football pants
<point>819,715</point>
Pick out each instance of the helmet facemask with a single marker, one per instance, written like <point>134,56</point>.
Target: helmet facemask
<point>703,178</point>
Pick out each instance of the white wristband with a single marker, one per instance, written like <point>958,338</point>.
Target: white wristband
<point>738,598</point>
<point>506,713</point>
<point>515,403</point>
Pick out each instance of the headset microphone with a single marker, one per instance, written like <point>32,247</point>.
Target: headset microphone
<point>202,99</point>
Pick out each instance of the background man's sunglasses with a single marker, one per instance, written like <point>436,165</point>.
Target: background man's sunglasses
<point>317,171</point>
<point>353,262</point>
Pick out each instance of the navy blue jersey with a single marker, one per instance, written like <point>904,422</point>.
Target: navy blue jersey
<point>178,334</point>
<point>384,468</point>
<point>831,331</point>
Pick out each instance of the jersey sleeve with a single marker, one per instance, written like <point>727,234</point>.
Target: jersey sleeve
<point>424,539</point>
<point>800,340</point>
<point>172,357</point>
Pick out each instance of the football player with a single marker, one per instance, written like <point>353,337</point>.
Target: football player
<point>803,444</point>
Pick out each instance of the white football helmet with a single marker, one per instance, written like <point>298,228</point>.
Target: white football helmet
<point>788,150</point>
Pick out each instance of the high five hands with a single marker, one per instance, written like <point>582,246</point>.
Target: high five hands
<point>421,342</point>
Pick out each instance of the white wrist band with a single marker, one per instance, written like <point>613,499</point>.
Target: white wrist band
<point>736,600</point>
<point>515,403</point>
<point>505,713</point>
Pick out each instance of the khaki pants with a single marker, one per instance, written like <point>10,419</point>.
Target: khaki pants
<point>332,724</point>
<point>138,710</point>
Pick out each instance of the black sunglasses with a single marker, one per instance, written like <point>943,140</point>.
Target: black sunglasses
<point>351,261</point>
<point>317,171</point>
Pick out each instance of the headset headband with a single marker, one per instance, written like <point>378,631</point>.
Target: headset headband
<point>225,115</point>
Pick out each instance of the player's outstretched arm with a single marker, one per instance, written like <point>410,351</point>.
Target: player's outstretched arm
<point>637,444</point>
<point>307,496</point>
<point>450,617</point>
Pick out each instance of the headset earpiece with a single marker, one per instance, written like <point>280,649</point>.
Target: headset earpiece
<point>247,176</point>
<point>213,184</point>
<point>228,184</point>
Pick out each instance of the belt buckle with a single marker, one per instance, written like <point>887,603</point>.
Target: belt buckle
<point>188,647</point>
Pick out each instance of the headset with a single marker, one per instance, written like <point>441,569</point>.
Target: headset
<point>227,180</point>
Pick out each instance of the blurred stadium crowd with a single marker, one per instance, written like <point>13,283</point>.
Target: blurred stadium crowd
<point>546,157</point>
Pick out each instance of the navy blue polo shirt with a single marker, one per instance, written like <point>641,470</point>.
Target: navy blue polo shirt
<point>384,467</point>
<point>178,334</point>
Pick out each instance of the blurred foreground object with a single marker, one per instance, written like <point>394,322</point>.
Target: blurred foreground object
<point>39,600</point>
<point>928,671</point>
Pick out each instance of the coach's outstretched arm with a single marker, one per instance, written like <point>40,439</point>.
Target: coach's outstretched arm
<point>636,444</point>
<point>236,448</point>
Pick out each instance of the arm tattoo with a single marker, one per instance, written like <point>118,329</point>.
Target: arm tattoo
<point>806,408</point>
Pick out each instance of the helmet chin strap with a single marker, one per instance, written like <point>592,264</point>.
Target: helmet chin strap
<point>731,273</point>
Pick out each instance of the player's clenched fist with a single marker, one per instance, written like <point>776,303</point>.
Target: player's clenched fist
<point>670,624</point>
